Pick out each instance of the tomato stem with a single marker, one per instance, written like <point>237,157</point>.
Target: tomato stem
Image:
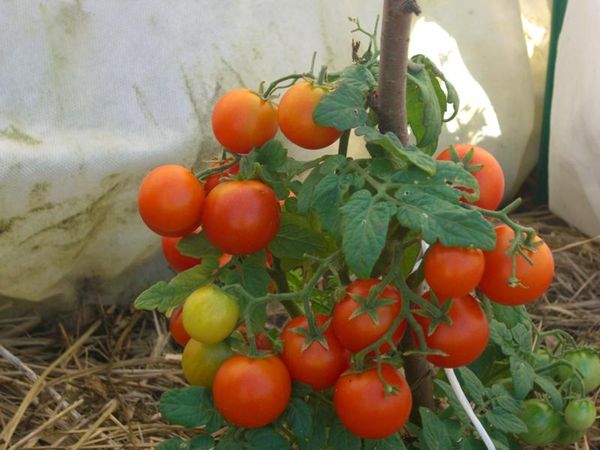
<point>292,77</point>
<point>343,144</point>
<point>212,170</point>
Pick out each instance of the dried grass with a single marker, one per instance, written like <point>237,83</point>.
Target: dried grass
<point>76,384</point>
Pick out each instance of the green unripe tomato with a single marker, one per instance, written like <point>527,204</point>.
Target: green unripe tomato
<point>200,361</point>
<point>587,362</point>
<point>210,315</point>
<point>580,414</point>
<point>568,436</point>
<point>543,422</point>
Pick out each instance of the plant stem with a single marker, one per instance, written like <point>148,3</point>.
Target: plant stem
<point>343,145</point>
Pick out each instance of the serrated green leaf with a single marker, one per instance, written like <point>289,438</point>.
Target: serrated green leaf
<point>381,168</point>
<point>523,337</point>
<point>511,315</point>
<point>392,145</point>
<point>505,421</point>
<point>296,237</point>
<point>174,444</point>
<point>472,385</point>
<point>299,418</point>
<point>359,77</point>
<point>502,399</point>
<point>523,377</point>
<point>326,201</point>
<point>197,245</point>
<point>394,442</point>
<point>322,418</point>
<point>184,406</point>
<point>254,276</point>
<point>202,442</point>
<point>457,409</point>
<point>424,113</point>
<point>547,385</point>
<point>470,443</point>
<point>364,231</point>
<point>501,336</point>
<point>341,439</point>
<point>344,108</point>
<point>450,97</point>
<point>305,195</point>
<point>266,438</point>
<point>435,435</point>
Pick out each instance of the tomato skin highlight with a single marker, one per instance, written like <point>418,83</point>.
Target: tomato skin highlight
<point>174,257</point>
<point>252,393</point>
<point>200,362</point>
<point>170,201</point>
<point>453,271</point>
<point>490,177</point>
<point>242,120</point>
<point>364,408</point>
<point>543,422</point>
<point>176,329</point>
<point>536,278</point>
<point>360,331</point>
<point>296,109</point>
<point>241,217</point>
<point>316,366</point>
<point>465,340</point>
<point>209,314</point>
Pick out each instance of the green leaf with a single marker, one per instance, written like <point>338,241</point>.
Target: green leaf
<point>326,201</point>
<point>359,77</point>
<point>322,418</point>
<point>457,409</point>
<point>470,443</point>
<point>501,335</point>
<point>472,385</point>
<point>511,315</point>
<point>547,385</point>
<point>297,237</point>
<point>523,377</point>
<point>254,275</point>
<point>299,417</point>
<point>382,168</point>
<point>435,435</point>
<point>174,444</point>
<point>266,438</point>
<point>202,442</point>
<point>424,113</point>
<point>502,399</point>
<point>341,439</point>
<point>523,337</point>
<point>229,444</point>
<point>344,108</point>
<point>183,406</point>
<point>394,442</point>
<point>505,421</point>
<point>390,142</point>
<point>197,245</point>
<point>307,190</point>
<point>364,231</point>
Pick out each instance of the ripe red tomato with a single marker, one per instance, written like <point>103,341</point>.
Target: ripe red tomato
<point>490,177</point>
<point>262,340</point>
<point>535,279</point>
<point>316,365</point>
<point>176,327</point>
<point>174,257</point>
<point>252,393</point>
<point>453,271</point>
<point>242,120</point>
<point>361,331</point>
<point>170,201</point>
<point>463,341</point>
<point>217,178</point>
<point>364,407</point>
<point>241,217</point>
<point>296,117</point>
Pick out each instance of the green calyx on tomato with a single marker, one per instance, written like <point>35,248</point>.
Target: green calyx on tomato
<point>210,314</point>
<point>543,422</point>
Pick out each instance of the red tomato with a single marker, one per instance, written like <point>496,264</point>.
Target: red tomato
<point>174,257</point>
<point>242,120</point>
<point>217,178</point>
<point>463,341</point>
<point>241,217</point>
<point>296,117</point>
<point>176,327</point>
<point>535,279</point>
<point>315,365</point>
<point>361,331</point>
<point>252,393</point>
<point>364,407</point>
<point>170,201</point>
<point>490,177</point>
<point>453,271</point>
<point>262,341</point>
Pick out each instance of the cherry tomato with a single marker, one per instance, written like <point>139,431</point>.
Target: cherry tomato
<point>535,279</point>
<point>587,363</point>
<point>463,341</point>
<point>176,260</point>
<point>241,217</point>
<point>176,327</point>
<point>490,177</point>
<point>543,422</point>
<point>364,407</point>
<point>315,365</point>
<point>359,332</point>
<point>170,201</point>
<point>200,362</point>
<point>568,436</point>
<point>217,178</point>
<point>262,340</point>
<point>252,393</point>
<point>453,271</point>
<point>242,120</point>
<point>209,314</point>
<point>296,110</point>
<point>580,414</point>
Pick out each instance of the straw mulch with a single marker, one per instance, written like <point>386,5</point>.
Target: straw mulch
<point>95,384</point>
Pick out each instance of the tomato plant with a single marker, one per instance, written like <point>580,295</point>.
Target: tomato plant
<point>170,201</point>
<point>543,422</point>
<point>242,120</point>
<point>252,392</point>
<point>241,217</point>
<point>176,327</point>
<point>200,361</point>
<point>370,409</point>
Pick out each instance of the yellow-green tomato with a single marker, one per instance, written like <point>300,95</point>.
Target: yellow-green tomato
<point>210,315</point>
<point>200,362</point>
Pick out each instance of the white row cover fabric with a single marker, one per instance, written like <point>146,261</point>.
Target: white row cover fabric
<point>95,94</point>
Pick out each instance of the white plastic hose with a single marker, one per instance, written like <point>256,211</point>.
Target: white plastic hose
<point>464,402</point>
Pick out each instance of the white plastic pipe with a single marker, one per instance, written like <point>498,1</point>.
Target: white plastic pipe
<point>464,402</point>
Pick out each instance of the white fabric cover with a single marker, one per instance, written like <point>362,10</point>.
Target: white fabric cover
<point>93,94</point>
